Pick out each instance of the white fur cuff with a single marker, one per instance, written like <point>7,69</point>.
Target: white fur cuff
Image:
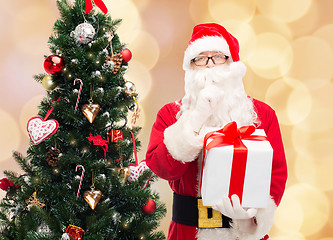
<point>182,142</point>
<point>214,233</point>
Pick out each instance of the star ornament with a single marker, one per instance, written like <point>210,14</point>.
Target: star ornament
<point>33,200</point>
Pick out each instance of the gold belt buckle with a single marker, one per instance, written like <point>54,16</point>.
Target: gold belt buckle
<point>205,221</point>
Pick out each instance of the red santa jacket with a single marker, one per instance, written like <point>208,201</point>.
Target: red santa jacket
<point>182,177</point>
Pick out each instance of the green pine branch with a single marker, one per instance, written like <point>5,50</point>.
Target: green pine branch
<point>118,214</point>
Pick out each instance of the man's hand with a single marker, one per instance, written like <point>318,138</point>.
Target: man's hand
<point>208,99</point>
<point>234,210</point>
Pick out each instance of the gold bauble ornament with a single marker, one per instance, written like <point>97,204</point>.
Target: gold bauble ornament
<point>92,197</point>
<point>48,83</point>
<point>123,174</point>
<point>90,111</point>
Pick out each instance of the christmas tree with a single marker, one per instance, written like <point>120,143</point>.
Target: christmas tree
<point>82,178</point>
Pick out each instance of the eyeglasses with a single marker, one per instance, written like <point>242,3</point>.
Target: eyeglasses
<point>203,60</point>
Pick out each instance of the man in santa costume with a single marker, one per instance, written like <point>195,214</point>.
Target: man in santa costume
<point>214,97</point>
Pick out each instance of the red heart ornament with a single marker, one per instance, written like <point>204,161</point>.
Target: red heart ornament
<point>40,129</point>
<point>136,171</point>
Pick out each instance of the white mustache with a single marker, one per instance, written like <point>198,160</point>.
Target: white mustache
<point>210,76</point>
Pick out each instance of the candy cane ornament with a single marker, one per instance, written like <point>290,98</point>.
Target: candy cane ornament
<point>78,191</point>
<point>78,96</point>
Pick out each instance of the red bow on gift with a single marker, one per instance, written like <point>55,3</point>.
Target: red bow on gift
<point>99,3</point>
<point>231,135</point>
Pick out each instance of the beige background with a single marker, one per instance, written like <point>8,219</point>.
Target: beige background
<point>286,45</point>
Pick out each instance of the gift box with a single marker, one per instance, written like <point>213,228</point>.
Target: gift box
<point>115,135</point>
<point>237,161</point>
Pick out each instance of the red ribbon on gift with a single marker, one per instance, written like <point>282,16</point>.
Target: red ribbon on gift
<point>231,135</point>
<point>115,135</point>
<point>99,3</point>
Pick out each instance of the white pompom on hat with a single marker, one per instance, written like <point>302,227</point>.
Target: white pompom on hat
<point>210,37</point>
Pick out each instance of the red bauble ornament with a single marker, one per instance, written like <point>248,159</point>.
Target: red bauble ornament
<point>127,55</point>
<point>4,184</point>
<point>53,64</point>
<point>149,207</point>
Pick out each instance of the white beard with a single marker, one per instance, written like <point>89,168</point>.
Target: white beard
<point>234,104</point>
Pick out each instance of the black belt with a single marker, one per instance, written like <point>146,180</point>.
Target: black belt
<point>190,211</point>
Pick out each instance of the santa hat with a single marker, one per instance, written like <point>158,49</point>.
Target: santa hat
<point>210,37</point>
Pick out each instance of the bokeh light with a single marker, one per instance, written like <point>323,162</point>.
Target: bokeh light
<point>242,10</point>
<point>262,24</point>
<point>283,95</point>
<point>314,205</point>
<point>145,49</point>
<point>320,117</point>
<point>291,207</point>
<point>128,12</point>
<point>272,56</point>
<point>289,236</point>
<point>142,4</point>
<point>325,33</point>
<point>199,11</point>
<point>139,74</point>
<point>284,10</point>
<point>314,166</point>
<point>29,110</point>
<point>308,23</point>
<point>313,59</point>
<point>10,135</point>
<point>39,16</point>
<point>299,103</point>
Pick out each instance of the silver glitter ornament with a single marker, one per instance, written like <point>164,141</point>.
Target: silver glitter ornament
<point>129,88</point>
<point>43,228</point>
<point>84,33</point>
<point>108,65</point>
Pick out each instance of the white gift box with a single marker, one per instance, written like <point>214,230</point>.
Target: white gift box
<point>257,179</point>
